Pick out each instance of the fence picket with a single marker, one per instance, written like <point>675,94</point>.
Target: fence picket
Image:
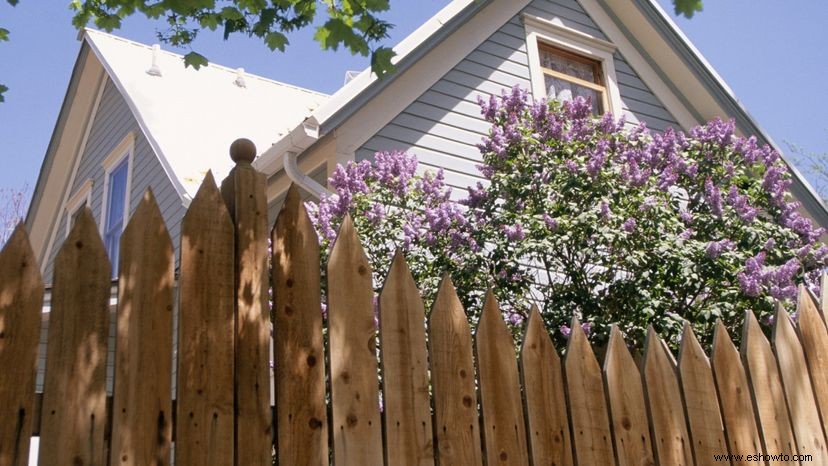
<point>456,426</point>
<point>734,397</point>
<point>628,410</point>
<point>815,345</point>
<point>299,353</point>
<point>142,412</point>
<point>670,438</point>
<point>204,409</point>
<point>504,429</point>
<point>587,405</point>
<point>357,436</point>
<point>546,423</point>
<point>699,389</point>
<point>20,309</point>
<point>408,433</point>
<point>244,194</point>
<point>808,431</point>
<point>823,297</point>
<point>766,386</point>
<point>74,390</point>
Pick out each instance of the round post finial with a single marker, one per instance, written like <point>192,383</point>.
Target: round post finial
<point>243,151</point>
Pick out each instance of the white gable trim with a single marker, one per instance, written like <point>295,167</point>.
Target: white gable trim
<point>554,32</point>
<point>81,197</point>
<point>156,148</point>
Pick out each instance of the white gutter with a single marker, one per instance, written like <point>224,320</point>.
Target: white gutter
<point>283,155</point>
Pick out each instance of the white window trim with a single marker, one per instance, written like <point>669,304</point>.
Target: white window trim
<point>553,32</point>
<point>125,149</point>
<point>83,194</point>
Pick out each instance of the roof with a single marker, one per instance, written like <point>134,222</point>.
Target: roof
<point>191,117</point>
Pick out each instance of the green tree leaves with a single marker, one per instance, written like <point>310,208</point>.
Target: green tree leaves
<point>687,7</point>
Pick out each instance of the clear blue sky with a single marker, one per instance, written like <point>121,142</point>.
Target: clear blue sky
<point>772,53</point>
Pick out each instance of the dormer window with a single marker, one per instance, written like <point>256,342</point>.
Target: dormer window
<point>567,75</point>
<point>565,63</point>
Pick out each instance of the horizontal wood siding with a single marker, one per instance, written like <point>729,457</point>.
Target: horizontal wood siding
<point>113,122</point>
<point>443,126</point>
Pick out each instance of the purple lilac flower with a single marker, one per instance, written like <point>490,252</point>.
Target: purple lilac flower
<point>686,234</point>
<point>769,244</point>
<point>597,158</point>
<point>686,216</point>
<point>550,222</point>
<point>565,331</point>
<point>604,209</point>
<point>587,328</point>
<point>514,232</point>
<point>713,197</point>
<point>515,318</point>
<point>629,225</point>
<point>477,196</point>
<point>649,203</point>
<point>375,214</point>
<point>571,166</point>
<point>716,248</point>
<point>740,204</point>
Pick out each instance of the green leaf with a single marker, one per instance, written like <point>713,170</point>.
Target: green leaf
<point>276,40</point>
<point>381,61</point>
<point>231,13</point>
<point>3,89</point>
<point>196,60</point>
<point>4,34</point>
<point>687,7</point>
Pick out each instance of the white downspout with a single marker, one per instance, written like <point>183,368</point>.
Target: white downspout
<point>284,154</point>
<point>297,176</point>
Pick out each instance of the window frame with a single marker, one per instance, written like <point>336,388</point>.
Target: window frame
<point>124,150</point>
<point>576,45</point>
<point>83,196</point>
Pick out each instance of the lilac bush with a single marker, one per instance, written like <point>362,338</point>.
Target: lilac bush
<point>617,224</point>
<point>393,206</point>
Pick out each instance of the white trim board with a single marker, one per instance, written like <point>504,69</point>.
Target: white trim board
<point>83,196</point>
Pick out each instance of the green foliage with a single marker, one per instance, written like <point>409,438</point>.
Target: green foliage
<point>195,60</point>
<point>687,7</point>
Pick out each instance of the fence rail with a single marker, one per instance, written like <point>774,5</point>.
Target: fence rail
<point>450,396</point>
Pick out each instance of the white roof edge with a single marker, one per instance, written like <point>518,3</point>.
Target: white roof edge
<point>179,187</point>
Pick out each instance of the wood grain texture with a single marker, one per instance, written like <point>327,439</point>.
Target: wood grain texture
<point>735,400</point>
<point>357,435</point>
<point>547,425</point>
<point>204,409</point>
<point>671,440</point>
<point>768,396</point>
<point>700,400</point>
<point>628,409</point>
<point>814,339</point>
<point>244,194</point>
<point>407,408</point>
<point>504,428</point>
<point>587,404</point>
<point>142,416</point>
<point>808,431</point>
<point>74,390</point>
<point>823,297</point>
<point>299,354</point>
<point>21,303</point>
<point>456,424</point>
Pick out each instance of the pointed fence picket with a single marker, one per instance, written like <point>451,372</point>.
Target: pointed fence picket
<point>447,399</point>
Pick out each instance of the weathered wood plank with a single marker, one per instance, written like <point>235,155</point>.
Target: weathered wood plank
<point>21,303</point>
<point>766,386</point>
<point>204,410</point>
<point>587,404</point>
<point>734,397</point>
<point>823,297</point>
<point>814,338</point>
<point>456,425</point>
<point>408,429</point>
<point>808,431</point>
<point>670,438</point>
<point>700,400</point>
<point>74,390</point>
<point>628,410</point>
<point>504,428</point>
<point>142,413</point>
<point>244,194</point>
<point>299,354</point>
<point>357,436</point>
<point>543,387</point>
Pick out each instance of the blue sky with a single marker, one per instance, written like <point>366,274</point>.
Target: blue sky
<point>770,52</point>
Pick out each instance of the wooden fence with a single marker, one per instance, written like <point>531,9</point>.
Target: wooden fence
<point>448,397</point>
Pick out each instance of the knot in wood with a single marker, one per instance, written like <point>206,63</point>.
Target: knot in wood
<point>242,151</point>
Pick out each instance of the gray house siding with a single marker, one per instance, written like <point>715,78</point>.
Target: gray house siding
<point>113,122</point>
<point>444,125</point>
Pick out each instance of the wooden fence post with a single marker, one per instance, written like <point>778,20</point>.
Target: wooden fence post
<point>21,305</point>
<point>244,194</point>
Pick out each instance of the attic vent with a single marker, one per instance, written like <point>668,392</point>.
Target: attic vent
<point>240,78</point>
<point>350,75</point>
<point>154,70</point>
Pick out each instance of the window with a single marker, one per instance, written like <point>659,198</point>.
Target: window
<point>565,63</point>
<point>567,75</point>
<point>115,206</point>
<point>74,206</point>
